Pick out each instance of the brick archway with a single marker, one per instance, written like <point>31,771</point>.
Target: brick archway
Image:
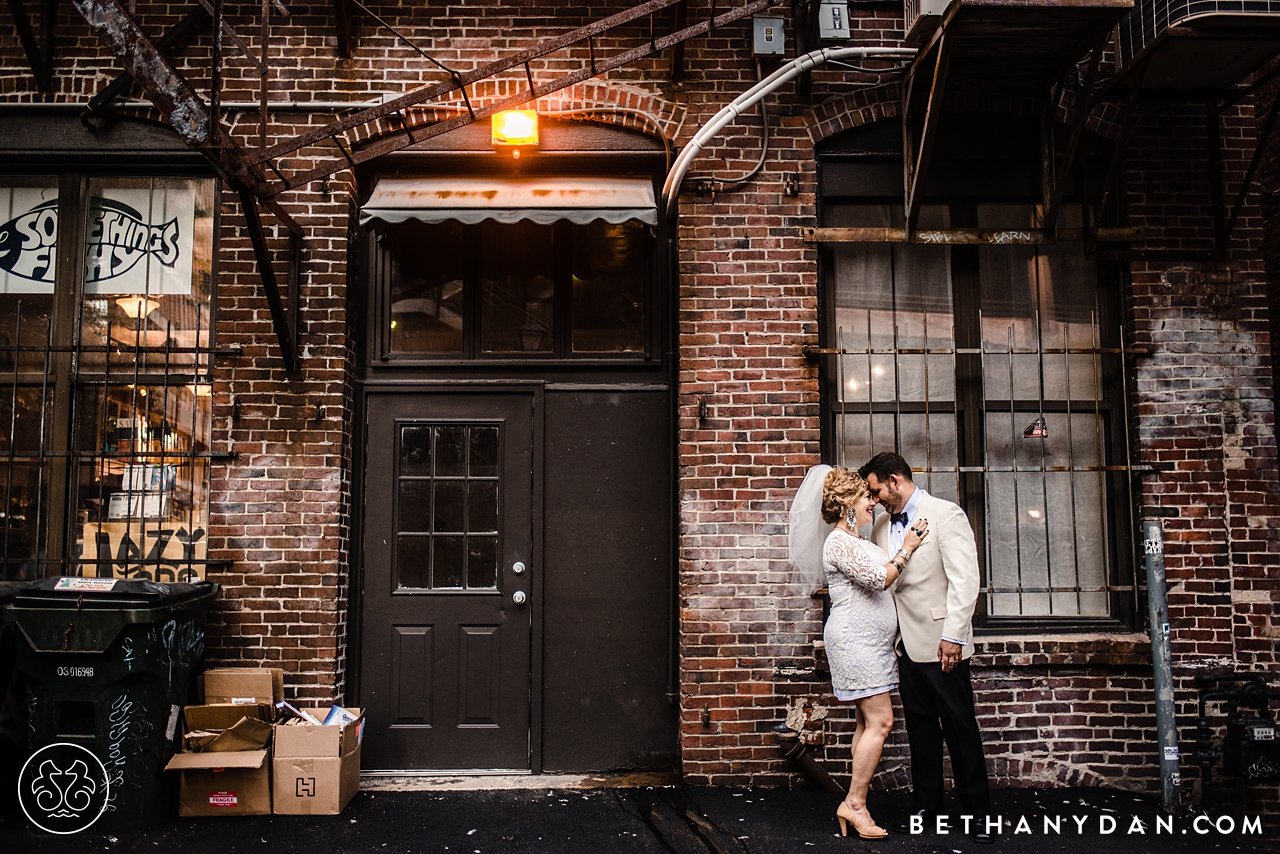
<point>618,104</point>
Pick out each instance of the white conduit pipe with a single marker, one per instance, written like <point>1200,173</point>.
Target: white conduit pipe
<point>749,98</point>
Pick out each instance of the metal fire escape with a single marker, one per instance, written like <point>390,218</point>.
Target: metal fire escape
<point>260,175</point>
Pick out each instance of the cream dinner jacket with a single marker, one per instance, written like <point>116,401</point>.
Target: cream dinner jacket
<point>937,591</point>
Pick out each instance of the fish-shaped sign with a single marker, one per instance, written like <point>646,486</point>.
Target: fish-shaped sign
<point>118,239</point>
<point>29,243</point>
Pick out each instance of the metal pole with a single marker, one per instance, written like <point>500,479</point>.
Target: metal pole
<point>1158,611</point>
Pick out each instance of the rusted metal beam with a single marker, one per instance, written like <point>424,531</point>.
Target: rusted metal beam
<point>1213,150</point>
<point>97,115</point>
<point>342,24</point>
<point>966,236</point>
<point>1083,106</point>
<point>165,86</point>
<point>920,154</point>
<point>241,44</point>
<point>419,134</point>
<point>805,14</point>
<point>1263,135</point>
<point>270,287</point>
<point>515,61</point>
<point>1117,154</point>
<point>40,60</point>
<point>677,52</point>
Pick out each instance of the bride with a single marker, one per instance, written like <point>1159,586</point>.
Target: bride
<point>860,630</point>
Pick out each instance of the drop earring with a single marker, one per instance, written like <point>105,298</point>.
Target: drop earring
<point>851,517</point>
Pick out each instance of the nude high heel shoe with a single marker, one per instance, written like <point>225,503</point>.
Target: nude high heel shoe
<point>871,831</point>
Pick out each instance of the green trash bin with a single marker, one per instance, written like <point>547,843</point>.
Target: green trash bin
<point>107,664</point>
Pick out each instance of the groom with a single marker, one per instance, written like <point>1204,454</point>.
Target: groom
<point>935,597</point>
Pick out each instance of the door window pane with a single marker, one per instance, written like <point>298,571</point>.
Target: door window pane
<point>447,517</point>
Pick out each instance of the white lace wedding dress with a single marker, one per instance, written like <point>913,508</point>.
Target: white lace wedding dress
<point>863,622</point>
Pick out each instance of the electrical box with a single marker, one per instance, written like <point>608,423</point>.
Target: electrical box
<point>769,37</point>
<point>833,20</point>
<point>922,18</point>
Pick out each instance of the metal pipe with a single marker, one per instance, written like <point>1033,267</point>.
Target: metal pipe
<point>748,99</point>
<point>797,753</point>
<point>1158,612</point>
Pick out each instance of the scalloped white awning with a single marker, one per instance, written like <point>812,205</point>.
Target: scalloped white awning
<point>542,200</point>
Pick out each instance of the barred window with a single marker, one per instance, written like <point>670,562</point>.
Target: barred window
<point>106,293</point>
<point>997,372</point>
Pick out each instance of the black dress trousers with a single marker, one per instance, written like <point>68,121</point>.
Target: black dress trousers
<point>938,707</point>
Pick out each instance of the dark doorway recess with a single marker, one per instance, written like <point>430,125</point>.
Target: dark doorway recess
<point>559,336</point>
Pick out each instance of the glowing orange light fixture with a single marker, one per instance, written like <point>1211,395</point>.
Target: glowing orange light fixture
<point>515,127</point>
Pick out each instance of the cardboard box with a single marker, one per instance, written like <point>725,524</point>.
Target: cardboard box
<point>243,685</point>
<point>225,768</point>
<point>223,784</point>
<point>316,769</point>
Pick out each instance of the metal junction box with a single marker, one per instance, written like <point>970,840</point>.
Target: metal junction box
<point>922,18</point>
<point>769,37</point>
<point>833,20</point>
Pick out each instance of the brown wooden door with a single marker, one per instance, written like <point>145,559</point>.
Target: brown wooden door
<point>448,575</point>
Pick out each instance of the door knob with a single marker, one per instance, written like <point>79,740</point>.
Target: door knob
<point>519,597</point>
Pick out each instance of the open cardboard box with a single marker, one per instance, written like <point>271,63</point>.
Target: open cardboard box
<point>225,766</point>
<point>242,685</point>
<point>316,768</point>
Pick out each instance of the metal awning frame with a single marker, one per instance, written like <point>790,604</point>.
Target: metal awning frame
<point>924,88</point>
<point>541,200</point>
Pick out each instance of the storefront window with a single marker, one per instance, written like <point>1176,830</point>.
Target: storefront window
<point>109,376</point>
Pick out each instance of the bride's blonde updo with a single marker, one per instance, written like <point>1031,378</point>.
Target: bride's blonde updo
<point>840,489</point>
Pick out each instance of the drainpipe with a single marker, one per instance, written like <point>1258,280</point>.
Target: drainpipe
<point>749,98</point>
<point>1158,613</point>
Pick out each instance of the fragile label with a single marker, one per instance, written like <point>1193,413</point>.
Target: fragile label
<point>223,799</point>
<point>1171,752</point>
<point>86,585</point>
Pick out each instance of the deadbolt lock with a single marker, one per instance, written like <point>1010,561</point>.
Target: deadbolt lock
<point>519,597</point>
<point>518,567</point>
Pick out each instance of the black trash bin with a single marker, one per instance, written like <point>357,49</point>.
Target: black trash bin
<point>108,669</point>
<point>13,707</point>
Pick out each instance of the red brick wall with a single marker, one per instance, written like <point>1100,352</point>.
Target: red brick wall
<point>1061,710</point>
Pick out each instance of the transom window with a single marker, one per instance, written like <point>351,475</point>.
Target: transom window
<point>521,290</point>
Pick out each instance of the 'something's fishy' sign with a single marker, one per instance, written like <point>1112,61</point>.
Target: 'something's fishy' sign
<point>118,239</point>
<point>127,251</point>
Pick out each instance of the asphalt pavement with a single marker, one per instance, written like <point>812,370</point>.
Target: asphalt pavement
<point>666,820</point>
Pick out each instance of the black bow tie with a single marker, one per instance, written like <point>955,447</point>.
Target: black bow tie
<point>898,518</point>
